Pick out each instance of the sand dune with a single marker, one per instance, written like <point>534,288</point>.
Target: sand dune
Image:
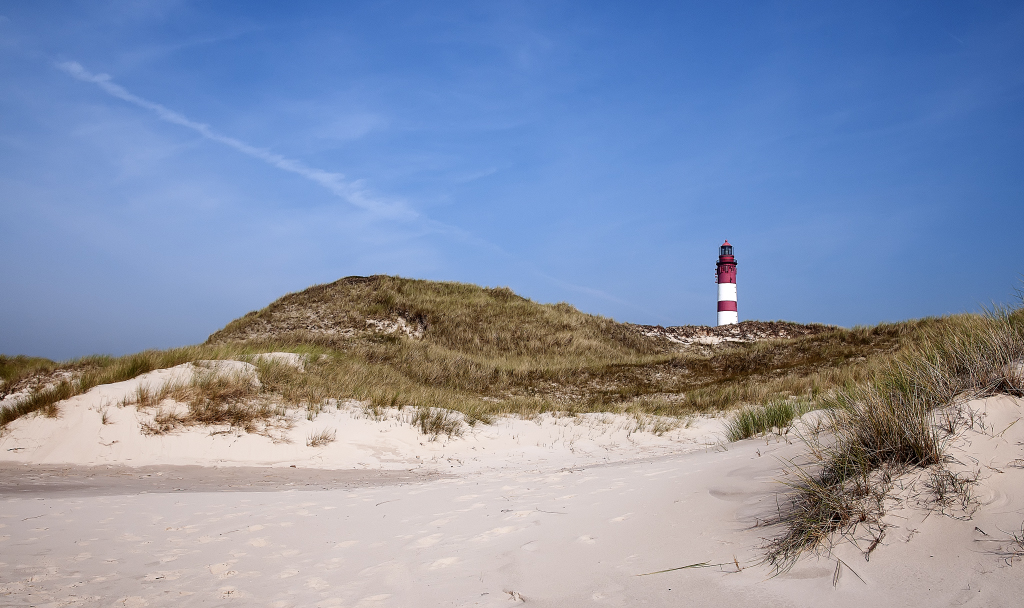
<point>556,512</point>
<point>80,436</point>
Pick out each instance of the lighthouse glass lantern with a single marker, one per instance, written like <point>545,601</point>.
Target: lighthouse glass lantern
<point>725,276</point>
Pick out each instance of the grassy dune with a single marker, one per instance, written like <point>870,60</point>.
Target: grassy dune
<point>893,394</point>
<point>488,351</point>
<point>478,351</point>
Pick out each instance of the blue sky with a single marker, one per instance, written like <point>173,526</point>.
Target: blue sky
<point>167,166</point>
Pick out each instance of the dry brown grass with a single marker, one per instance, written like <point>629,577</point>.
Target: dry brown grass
<point>211,398</point>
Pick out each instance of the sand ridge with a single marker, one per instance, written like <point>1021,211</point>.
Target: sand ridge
<point>94,429</point>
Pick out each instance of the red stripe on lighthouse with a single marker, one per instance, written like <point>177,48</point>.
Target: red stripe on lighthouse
<point>726,305</point>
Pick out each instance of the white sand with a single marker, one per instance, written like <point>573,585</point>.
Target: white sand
<point>79,436</point>
<point>528,531</point>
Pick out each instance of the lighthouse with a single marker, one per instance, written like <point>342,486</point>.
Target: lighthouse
<point>725,276</point>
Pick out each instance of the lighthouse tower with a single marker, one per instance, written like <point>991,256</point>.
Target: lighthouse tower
<point>725,276</point>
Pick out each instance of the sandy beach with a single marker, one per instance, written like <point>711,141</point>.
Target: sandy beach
<point>474,304</point>
<point>535,531</point>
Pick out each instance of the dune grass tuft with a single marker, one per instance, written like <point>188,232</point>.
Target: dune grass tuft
<point>435,422</point>
<point>774,416</point>
<point>14,369</point>
<point>1017,544</point>
<point>900,420</point>
<point>321,438</point>
<point>211,398</point>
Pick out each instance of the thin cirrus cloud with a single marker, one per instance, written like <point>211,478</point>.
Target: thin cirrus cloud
<point>334,182</point>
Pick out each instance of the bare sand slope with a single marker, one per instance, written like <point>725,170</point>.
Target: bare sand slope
<point>575,537</point>
<point>93,429</point>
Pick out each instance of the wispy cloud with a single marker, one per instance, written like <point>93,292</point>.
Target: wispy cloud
<point>335,182</point>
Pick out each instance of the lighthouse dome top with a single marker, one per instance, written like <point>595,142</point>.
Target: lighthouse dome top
<point>725,249</point>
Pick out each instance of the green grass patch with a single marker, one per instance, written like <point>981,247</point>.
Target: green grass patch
<point>13,369</point>
<point>775,416</point>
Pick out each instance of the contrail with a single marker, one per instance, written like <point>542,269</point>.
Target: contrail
<point>335,182</point>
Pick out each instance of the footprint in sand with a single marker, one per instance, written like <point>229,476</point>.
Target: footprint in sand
<point>223,569</point>
<point>167,575</point>
<point>495,532</point>
<point>444,562</point>
<point>586,540</point>
<point>317,584</point>
<point>426,541</point>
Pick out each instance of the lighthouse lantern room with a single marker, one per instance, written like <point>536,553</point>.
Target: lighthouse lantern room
<point>725,276</point>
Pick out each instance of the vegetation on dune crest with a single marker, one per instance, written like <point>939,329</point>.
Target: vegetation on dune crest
<point>488,351</point>
<point>88,372</point>
<point>14,369</point>
<point>394,342</point>
<point>473,321</point>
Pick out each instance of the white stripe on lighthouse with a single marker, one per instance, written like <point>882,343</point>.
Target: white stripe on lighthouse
<point>727,292</point>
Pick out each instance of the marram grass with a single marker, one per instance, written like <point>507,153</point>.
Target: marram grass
<point>898,420</point>
<point>777,416</point>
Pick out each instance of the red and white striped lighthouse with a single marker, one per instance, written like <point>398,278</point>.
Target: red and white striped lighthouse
<point>725,276</point>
